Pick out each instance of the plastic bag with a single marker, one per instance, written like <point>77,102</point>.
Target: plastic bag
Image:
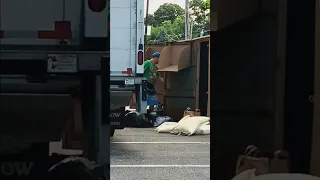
<point>161,119</point>
<point>134,119</point>
<point>250,159</point>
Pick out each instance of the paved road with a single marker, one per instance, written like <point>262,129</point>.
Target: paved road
<point>141,154</point>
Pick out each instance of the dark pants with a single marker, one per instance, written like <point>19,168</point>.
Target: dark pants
<point>151,96</point>
<point>151,89</point>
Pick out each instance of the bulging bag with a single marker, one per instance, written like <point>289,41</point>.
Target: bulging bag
<point>279,163</point>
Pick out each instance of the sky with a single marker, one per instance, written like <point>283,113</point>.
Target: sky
<point>154,4</point>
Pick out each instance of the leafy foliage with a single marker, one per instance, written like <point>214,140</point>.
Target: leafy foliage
<point>167,23</point>
<point>151,21</point>
<point>167,31</point>
<point>167,12</point>
<point>200,15</point>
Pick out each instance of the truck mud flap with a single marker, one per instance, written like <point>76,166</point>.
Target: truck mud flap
<point>28,164</point>
<point>117,118</point>
<point>119,99</point>
<point>73,130</point>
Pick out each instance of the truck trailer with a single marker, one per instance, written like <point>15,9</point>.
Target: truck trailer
<point>127,55</point>
<point>55,51</point>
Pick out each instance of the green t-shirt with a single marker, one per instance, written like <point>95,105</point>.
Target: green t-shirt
<point>150,72</point>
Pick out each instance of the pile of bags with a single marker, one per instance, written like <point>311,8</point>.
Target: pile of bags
<point>136,120</point>
<point>188,125</point>
<point>253,165</point>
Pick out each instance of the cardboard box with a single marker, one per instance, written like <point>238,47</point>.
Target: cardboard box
<point>192,113</point>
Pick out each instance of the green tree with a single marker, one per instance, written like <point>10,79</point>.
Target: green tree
<point>200,15</point>
<point>167,31</point>
<point>151,21</point>
<point>167,12</point>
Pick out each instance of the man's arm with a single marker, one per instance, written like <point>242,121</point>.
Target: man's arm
<point>159,77</point>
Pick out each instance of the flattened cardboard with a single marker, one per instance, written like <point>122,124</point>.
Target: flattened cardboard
<point>175,57</point>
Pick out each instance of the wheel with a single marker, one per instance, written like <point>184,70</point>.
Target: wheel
<point>112,132</point>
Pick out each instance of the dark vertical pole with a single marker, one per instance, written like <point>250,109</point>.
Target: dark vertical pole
<point>298,109</point>
<point>146,23</point>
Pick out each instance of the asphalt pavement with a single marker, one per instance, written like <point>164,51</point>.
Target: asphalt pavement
<point>143,154</point>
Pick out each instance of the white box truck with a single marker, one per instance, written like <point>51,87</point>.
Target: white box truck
<point>127,54</point>
<point>51,49</point>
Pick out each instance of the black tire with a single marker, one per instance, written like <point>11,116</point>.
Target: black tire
<point>112,132</point>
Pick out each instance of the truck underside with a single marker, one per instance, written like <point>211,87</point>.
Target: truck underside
<point>36,104</point>
<point>55,74</point>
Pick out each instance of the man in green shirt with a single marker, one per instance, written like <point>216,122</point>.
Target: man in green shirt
<point>151,71</point>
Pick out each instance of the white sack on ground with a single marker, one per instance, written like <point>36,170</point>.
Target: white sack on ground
<point>188,126</point>
<point>204,129</point>
<point>245,175</point>
<point>166,127</point>
<point>250,175</point>
<point>285,176</point>
<point>184,118</point>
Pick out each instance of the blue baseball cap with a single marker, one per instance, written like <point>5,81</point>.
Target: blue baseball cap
<point>156,55</point>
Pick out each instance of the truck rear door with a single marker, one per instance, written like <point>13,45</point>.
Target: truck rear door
<point>38,22</point>
<point>126,35</point>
